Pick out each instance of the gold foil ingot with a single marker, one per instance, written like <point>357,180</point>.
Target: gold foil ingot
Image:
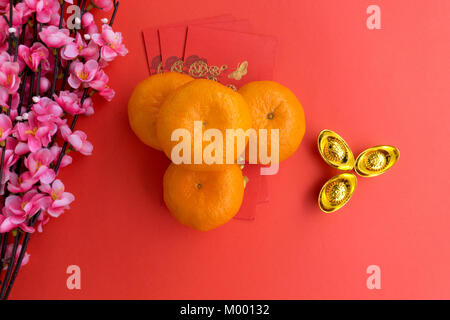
<point>337,192</point>
<point>377,160</point>
<point>335,151</point>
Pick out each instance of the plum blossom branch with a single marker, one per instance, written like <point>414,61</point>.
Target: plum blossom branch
<point>34,46</point>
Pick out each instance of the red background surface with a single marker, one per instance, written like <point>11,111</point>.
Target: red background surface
<point>388,86</point>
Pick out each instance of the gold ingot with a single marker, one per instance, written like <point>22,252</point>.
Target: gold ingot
<point>377,160</point>
<point>337,192</point>
<point>335,151</point>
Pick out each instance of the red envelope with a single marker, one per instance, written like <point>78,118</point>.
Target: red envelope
<point>173,38</point>
<point>152,50</point>
<point>212,41</point>
<point>153,46</point>
<point>230,57</point>
<point>256,192</point>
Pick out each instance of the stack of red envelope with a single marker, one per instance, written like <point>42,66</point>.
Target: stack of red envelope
<point>222,49</point>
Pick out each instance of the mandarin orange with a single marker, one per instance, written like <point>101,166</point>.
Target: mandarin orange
<point>146,100</point>
<point>203,200</point>
<point>209,105</point>
<point>273,106</point>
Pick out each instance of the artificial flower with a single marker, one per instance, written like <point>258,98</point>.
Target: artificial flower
<point>78,140</point>
<point>56,152</point>
<point>110,43</point>
<point>47,110</point>
<point>79,48</point>
<point>38,165</point>
<point>88,23</point>
<point>70,102</point>
<point>59,200</point>
<point>83,73</point>
<point>34,55</point>
<point>103,4</point>
<point>44,9</point>
<point>9,253</point>
<point>5,99</point>
<point>33,132</point>
<point>9,73</point>
<point>54,37</point>
<point>17,209</point>
<point>5,127</point>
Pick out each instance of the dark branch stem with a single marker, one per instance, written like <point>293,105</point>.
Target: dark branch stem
<point>11,263</point>
<point>21,256</point>
<point>116,7</point>
<point>4,244</point>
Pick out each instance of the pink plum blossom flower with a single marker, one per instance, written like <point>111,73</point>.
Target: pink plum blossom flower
<point>80,48</point>
<point>83,73</point>
<point>44,84</point>
<point>22,148</point>
<point>70,102</point>
<point>9,73</point>
<point>54,37</point>
<point>5,127</point>
<point>34,55</point>
<point>58,200</point>
<point>47,110</point>
<point>10,159</point>
<point>34,133</point>
<point>100,84</point>
<point>4,99</point>
<point>107,93</point>
<point>78,140</point>
<point>9,252</point>
<point>18,209</point>
<point>65,131</point>
<point>103,4</point>
<point>19,184</point>
<point>38,164</point>
<point>4,35</point>
<point>42,220</point>
<point>3,5</point>
<point>88,105</point>
<point>56,151</point>
<point>110,43</point>
<point>100,81</point>
<point>21,13</point>
<point>88,23</point>
<point>48,65</point>
<point>44,9</point>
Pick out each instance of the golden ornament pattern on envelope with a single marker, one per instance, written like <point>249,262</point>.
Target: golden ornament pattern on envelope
<point>199,68</point>
<point>240,71</point>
